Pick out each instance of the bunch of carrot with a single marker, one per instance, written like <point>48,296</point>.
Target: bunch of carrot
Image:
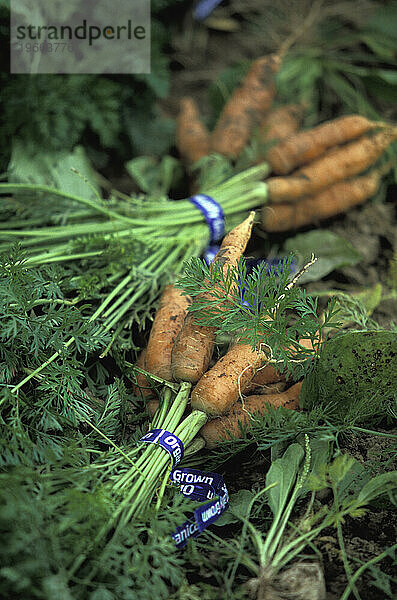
<point>180,349</point>
<point>325,171</point>
<point>319,173</point>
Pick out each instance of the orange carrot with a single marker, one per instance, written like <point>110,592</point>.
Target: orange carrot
<point>338,164</point>
<point>305,146</point>
<point>228,426</point>
<point>332,201</point>
<point>268,388</point>
<point>166,326</point>
<point>219,388</point>
<point>192,137</point>
<point>267,375</point>
<point>281,122</point>
<point>246,107</point>
<point>193,347</point>
<point>141,386</point>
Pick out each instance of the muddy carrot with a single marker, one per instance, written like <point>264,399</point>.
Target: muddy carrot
<point>281,122</point>
<point>245,108</point>
<point>192,137</point>
<point>193,347</point>
<point>166,326</point>
<point>220,387</point>
<point>141,387</point>
<point>336,165</point>
<point>267,375</point>
<point>306,146</point>
<point>223,428</point>
<point>332,201</point>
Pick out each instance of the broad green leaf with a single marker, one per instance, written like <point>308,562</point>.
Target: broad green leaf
<point>353,479</point>
<point>238,505</point>
<point>340,467</point>
<point>212,170</point>
<point>283,472</point>
<point>370,297</point>
<point>380,87</point>
<point>385,48</point>
<point>101,593</point>
<point>70,172</point>
<point>141,170</point>
<point>388,75</point>
<point>355,376</point>
<point>153,176</point>
<point>332,252</point>
<point>320,446</point>
<point>381,484</point>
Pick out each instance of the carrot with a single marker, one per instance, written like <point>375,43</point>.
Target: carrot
<point>219,388</point>
<point>267,375</point>
<point>336,199</point>
<point>338,164</point>
<point>142,385</point>
<point>192,137</point>
<point>281,122</point>
<point>166,326</point>
<point>193,347</point>
<point>269,388</point>
<point>228,426</point>
<point>246,106</point>
<point>305,146</point>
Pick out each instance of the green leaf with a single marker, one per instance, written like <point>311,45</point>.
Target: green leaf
<point>353,480</point>
<point>238,505</point>
<point>370,298</point>
<point>384,48</point>
<point>283,472</point>
<point>380,87</point>
<point>381,484</point>
<point>383,21</point>
<point>320,446</point>
<point>331,250</point>
<point>101,594</point>
<point>388,75</point>
<point>153,176</point>
<point>355,376</point>
<point>65,171</point>
<point>340,467</point>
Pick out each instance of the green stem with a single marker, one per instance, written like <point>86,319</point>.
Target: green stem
<point>24,187</point>
<point>363,567</point>
<point>342,546</point>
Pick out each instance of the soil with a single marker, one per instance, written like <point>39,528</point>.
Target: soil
<point>198,55</point>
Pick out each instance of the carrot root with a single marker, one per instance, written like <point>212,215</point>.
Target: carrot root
<point>192,137</point>
<point>141,387</point>
<point>306,146</point>
<point>166,326</point>
<point>221,386</point>
<point>280,123</point>
<point>228,426</point>
<point>193,347</point>
<point>246,107</point>
<point>330,202</point>
<point>337,165</point>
